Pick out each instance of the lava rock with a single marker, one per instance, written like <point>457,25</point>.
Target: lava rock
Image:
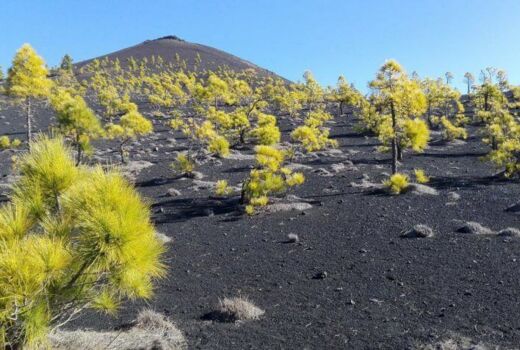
<point>172,192</point>
<point>474,228</point>
<point>509,232</point>
<point>418,231</point>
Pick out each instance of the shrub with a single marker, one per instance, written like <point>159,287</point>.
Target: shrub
<point>4,142</point>
<point>183,164</point>
<point>416,134</point>
<point>219,145</point>
<point>206,134</point>
<point>72,238</point>
<point>313,136</point>
<point>15,143</point>
<point>267,132</point>
<point>397,183</point>
<point>222,188</point>
<point>232,125</point>
<point>452,132</point>
<point>269,178</point>
<point>420,176</point>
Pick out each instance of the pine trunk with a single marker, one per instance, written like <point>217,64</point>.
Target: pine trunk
<point>78,151</point>
<point>29,121</point>
<point>394,140</point>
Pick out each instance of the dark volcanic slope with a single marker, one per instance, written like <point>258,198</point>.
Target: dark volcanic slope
<point>381,291</point>
<point>170,46</point>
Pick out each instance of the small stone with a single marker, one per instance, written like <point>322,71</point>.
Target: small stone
<point>293,238</point>
<point>323,172</point>
<point>338,167</point>
<point>515,208</point>
<point>418,231</point>
<point>420,189</point>
<point>453,196</point>
<point>208,212</point>
<point>162,237</point>
<point>172,192</point>
<point>474,228</point>
<point>197,175</point>
<point>509,232</point>
<point>321,275</point>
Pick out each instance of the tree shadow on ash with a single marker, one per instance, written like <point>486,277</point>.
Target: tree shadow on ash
<point>240,169</point>
<point>371,161</point>
<point>184,209</point>
<point>446,182</point>
<point>218,316</point>
<point>14,133</point>
<point>158,181</point>
<point>349,135</point>
<point>362,145</point>
<point>451,155</point>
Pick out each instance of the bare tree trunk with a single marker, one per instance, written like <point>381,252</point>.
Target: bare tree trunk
<point>122,152</point>
<point>399,153</point>
<point>124,159</point>
<point>29,120</point>
<point>430,123</point>
<point>394,140</point>
<point>78,151</point>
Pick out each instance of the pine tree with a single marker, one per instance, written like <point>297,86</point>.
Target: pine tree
<point>469,80</point>
<point>313,135</point>
<point>131,126</point>
<point>488,100</point>
<point>313,91</point>
<point>27,81</point>
<point>442,100</point>
<point>398,101</point>
<point>503,134</point>
<point>66,63</point>
<point>502,80</point>
<point>72,238</point>
<point>449,77</point>
<point>346,95</point>
<point>76,120</point>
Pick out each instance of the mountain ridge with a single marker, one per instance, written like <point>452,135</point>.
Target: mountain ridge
<point>168,47</point>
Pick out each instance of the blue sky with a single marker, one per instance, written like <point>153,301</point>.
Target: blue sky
<point>329,37</point>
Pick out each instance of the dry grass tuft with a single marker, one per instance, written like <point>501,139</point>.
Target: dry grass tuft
<point>147,319</point>
<point>163,238</point>
<point>235,309</point>
<point>457,342</point>
<point>152,331</point>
